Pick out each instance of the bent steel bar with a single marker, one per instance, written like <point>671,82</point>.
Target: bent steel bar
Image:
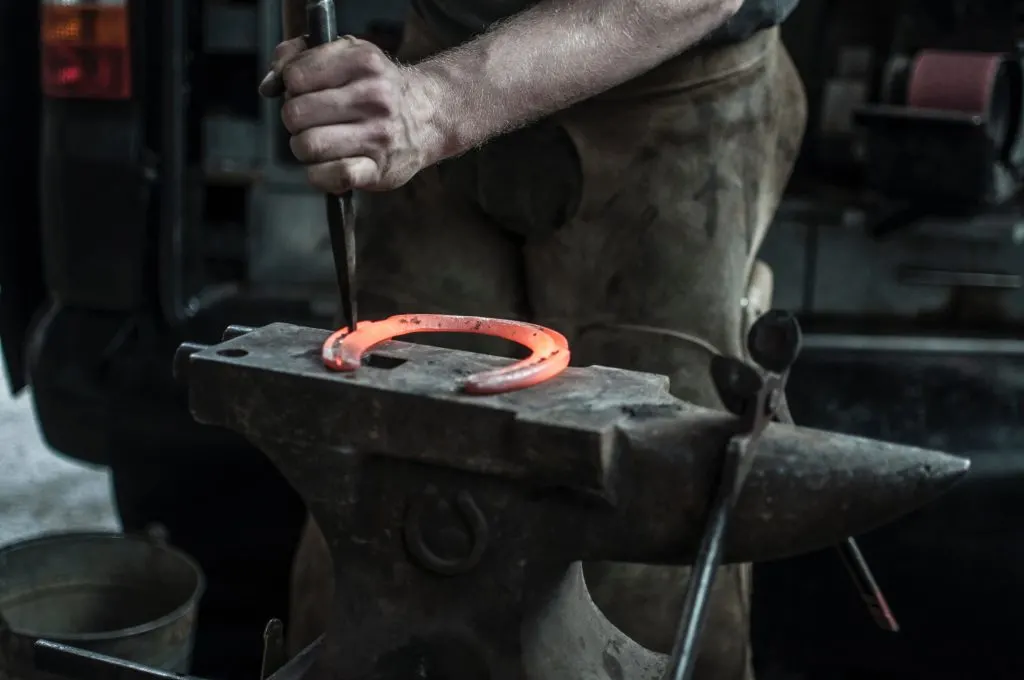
<point>549,350</point>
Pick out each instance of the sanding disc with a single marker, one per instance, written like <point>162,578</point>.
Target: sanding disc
<point>963,82</point>
<point>954,81</point>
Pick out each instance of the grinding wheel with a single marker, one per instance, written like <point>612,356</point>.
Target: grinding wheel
<point>976,83</point>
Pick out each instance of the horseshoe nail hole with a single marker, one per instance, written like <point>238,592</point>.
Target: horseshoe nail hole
<point>233,353</point>
<point>383,362</point>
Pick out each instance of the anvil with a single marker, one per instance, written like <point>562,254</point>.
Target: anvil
<point>456,522</point>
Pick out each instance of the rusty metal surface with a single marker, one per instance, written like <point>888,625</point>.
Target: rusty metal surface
<point>459,516</point>
<point>407,400</point>
<point>568,638</point>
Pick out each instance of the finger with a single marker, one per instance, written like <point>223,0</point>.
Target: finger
<point>331,142</point>
<point>285,51</point>
<point>337,177</point>
<point>272,85</point>
<point>333,65</point>
<point>357,101</point>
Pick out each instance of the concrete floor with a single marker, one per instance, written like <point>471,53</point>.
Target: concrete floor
<point>39,490</point>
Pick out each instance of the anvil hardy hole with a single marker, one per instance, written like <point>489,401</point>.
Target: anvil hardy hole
<point>383,362</point>
<point>233,353</point>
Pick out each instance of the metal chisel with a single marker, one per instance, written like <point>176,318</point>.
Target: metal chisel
<point>321,23</point>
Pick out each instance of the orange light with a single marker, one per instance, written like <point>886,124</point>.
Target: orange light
<point>343,351</point>
<point>62,25</point>
<point>85,50</point>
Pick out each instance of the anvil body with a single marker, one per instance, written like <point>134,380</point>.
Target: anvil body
<point>453,519</point>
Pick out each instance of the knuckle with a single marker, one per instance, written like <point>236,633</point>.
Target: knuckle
<point>294,78</point>
<point>331,179</point>
<point>305,146</point>
<point>379,135</point>
<point>287,49</point>
<point>282,51</point>
<point>369,59</point>
<point>380,95</point>
<point>291,116</point>
<point>343,176</point>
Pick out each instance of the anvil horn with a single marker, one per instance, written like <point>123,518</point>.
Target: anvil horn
<point>826,486</point>
<point>807,489</point>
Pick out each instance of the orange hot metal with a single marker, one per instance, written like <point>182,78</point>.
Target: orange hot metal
<point>549,356</point>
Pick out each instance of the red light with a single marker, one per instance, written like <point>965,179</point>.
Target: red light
<point>86,72</point>
<point>69,75</point>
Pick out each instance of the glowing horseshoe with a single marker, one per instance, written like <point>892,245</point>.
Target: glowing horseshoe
<point>344,351</point>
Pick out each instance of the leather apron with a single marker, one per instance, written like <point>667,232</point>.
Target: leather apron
<point>630,222</point>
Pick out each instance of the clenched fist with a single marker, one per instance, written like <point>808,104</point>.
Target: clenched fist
<point>358,120</point>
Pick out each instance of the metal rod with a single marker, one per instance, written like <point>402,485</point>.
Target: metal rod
<point>853,559</point>
<point>322,25</point>
<point>702,578</point>
<point>867,587</point>
<point>736,465</point>
<point>71,662</point>
<point>171,248</point>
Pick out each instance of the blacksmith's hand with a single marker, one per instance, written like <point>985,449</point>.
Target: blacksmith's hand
<point>357,119</point>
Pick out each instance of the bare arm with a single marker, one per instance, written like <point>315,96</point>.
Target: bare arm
<point>555,54</point>
<point>359,120</point>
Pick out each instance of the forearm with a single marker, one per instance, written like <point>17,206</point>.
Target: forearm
<point>553,55</point>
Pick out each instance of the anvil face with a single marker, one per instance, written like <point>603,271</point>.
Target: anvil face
<point>464,512</point>
<point>407,403</point>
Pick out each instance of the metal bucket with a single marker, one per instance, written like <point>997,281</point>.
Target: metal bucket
<point>130,597</point>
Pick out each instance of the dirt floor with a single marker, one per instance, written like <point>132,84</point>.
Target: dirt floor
<point>39,490</point>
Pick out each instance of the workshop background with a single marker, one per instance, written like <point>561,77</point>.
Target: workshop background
<point>39,490</point>
<point>898,246</point>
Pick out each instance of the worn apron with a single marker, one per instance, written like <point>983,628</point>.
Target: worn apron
<point>628,222</point>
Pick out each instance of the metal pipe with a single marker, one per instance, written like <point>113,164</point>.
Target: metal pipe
<point>172,175</point>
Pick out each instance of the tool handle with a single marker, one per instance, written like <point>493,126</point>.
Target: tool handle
<point>321,22</point>
<point>683,661</point>
<point>853,559</point>
<point>867,587</point>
